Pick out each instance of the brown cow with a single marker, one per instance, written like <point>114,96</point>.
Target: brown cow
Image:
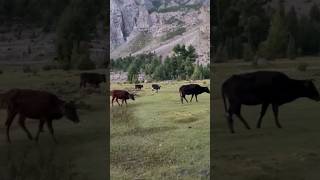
<point>121,94</point>
<point>37,105</point>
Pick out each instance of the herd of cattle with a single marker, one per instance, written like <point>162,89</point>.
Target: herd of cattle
<point>261,87</point>
<point>190,89</point>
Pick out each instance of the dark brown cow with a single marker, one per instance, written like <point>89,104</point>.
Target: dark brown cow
<point>37,105</point>
<point>121,94</point>
<point>91,78</point>
<point>138,86</point>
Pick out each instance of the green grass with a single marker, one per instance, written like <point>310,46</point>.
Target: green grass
<point>268,153</point>
<point>157,137</point>
<point>80,153</point>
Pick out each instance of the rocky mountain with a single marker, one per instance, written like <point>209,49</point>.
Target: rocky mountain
<point>138,26</point>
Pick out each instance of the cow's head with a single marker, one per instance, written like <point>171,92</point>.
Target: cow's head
<point>311,90</point>
<point>206,89</point>
<point>131,96</point>
<point>70,111</point>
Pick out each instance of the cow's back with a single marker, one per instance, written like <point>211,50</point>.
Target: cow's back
<point>34,104</point>
<point>189,89</point>
<point>256,86</point>
<point>121,94</point>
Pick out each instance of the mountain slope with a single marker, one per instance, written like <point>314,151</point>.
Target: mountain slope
<point>138,26</point>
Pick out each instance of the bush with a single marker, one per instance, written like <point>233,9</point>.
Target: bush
<point>302,67</point>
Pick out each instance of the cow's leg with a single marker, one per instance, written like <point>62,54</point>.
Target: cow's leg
<point>10,118</point>
<point>112,100</point>
<point>122,102</point>
<point>237,111</point>
<point>49,124</point>
<point>117,101</point>
<point>264,108</point>
<point>125,101</point>
<point>230,120</point>
<point>275,109</point>
<point>184,97</point>
<point>191,97</point>
<point>42,121</point>
<point>196,98</point>
<point>181,99</point>
<point>23,125</point>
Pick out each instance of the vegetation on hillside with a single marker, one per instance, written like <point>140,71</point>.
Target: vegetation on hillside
<point>181,65</point>
<point>247,29</point>
<point>73,21</point>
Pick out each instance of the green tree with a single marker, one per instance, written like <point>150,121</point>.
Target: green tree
<point>197,73</point>
<point>292,22</point>
<point>133,72</point>
<point>314,13</point>
<point>276,43</point>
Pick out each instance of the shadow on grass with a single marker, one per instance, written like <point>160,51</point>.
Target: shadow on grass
<point>135,157</point>
<point>138,131</point>
<point>186,120</point>
<point>33,162</point>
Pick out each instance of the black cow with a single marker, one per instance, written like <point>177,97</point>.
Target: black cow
<point>138,86</point>
<point>265,88</point>
<point>192,89</point>
<point>91,78</point>
<point>155,87</point>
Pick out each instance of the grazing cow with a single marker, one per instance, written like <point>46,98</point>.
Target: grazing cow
<point>121,94</point>
<point>138,86</point>
<point>37,105</point>
<point>91,78</point>
<point>155,87</point>
<point>192,89</point>
<point>265,88</point>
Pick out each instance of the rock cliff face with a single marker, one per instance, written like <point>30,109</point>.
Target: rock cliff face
<point>139,26</point>
<point>127,17</point>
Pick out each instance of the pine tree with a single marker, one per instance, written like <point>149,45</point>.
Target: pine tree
<point>315,13</point>
<point>292,22</point>
<point>291,50</point>
<point>276,43</point>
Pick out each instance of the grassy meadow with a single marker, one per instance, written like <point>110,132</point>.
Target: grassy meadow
<point>157,137</point>
<point>81,150</point>
<point>269,153</point>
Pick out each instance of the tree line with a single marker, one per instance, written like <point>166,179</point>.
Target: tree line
<point>181,65</point>
<point>248,29</point>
